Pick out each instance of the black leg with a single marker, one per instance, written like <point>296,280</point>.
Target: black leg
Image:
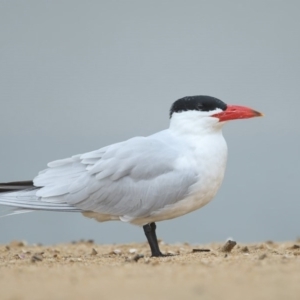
<point>150,233</point>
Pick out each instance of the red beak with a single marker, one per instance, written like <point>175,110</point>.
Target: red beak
<point>234,112</point>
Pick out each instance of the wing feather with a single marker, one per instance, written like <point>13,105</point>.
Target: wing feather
<point>127,180</point>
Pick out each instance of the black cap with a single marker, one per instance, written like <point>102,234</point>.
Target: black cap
<point>201,103</point>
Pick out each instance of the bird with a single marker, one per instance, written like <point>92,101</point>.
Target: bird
<point>142,180</point>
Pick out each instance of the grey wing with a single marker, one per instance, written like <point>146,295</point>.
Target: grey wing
<point>132,179</point>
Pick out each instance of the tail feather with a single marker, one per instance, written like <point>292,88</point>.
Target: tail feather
<point>21,197</point>
<point>13,211</point>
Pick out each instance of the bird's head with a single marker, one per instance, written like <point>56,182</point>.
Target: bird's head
<point>208,111</point>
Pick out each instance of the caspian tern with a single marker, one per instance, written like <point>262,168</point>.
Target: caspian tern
<point>142,180</point>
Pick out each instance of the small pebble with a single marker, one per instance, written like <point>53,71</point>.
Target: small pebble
<point>261,246</point>
<point>17,244</point>
<point>26,251</point>
<point>94,252</point>
<point>36,257</point>
<point>132,251</point>
<point>20,256</point>
<point>269,242</point>
<point>137,257</point>
<point>294,247</point>
<point>263,256</point>
<point>229,245</point>
<point>201,250</point>
<point>245,249</point>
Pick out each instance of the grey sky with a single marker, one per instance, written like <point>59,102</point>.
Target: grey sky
<point>78,75</point>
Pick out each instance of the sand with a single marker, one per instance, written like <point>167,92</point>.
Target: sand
<point>85,270</point>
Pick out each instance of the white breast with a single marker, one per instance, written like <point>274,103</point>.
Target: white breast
<point>207,158</point>
<point>202,153</point>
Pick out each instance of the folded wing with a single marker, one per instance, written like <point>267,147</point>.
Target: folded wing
<point>132,179</point>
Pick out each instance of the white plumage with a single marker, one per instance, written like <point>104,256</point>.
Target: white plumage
<point>141,180</point>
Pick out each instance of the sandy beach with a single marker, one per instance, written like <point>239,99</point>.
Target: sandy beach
<point>84,270</point>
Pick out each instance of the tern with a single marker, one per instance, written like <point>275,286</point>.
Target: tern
<point>142,180</point>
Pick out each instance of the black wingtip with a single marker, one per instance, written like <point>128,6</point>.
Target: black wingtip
<point>16,186</point>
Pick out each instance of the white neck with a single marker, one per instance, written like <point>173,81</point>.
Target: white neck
<point>195,123</point>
